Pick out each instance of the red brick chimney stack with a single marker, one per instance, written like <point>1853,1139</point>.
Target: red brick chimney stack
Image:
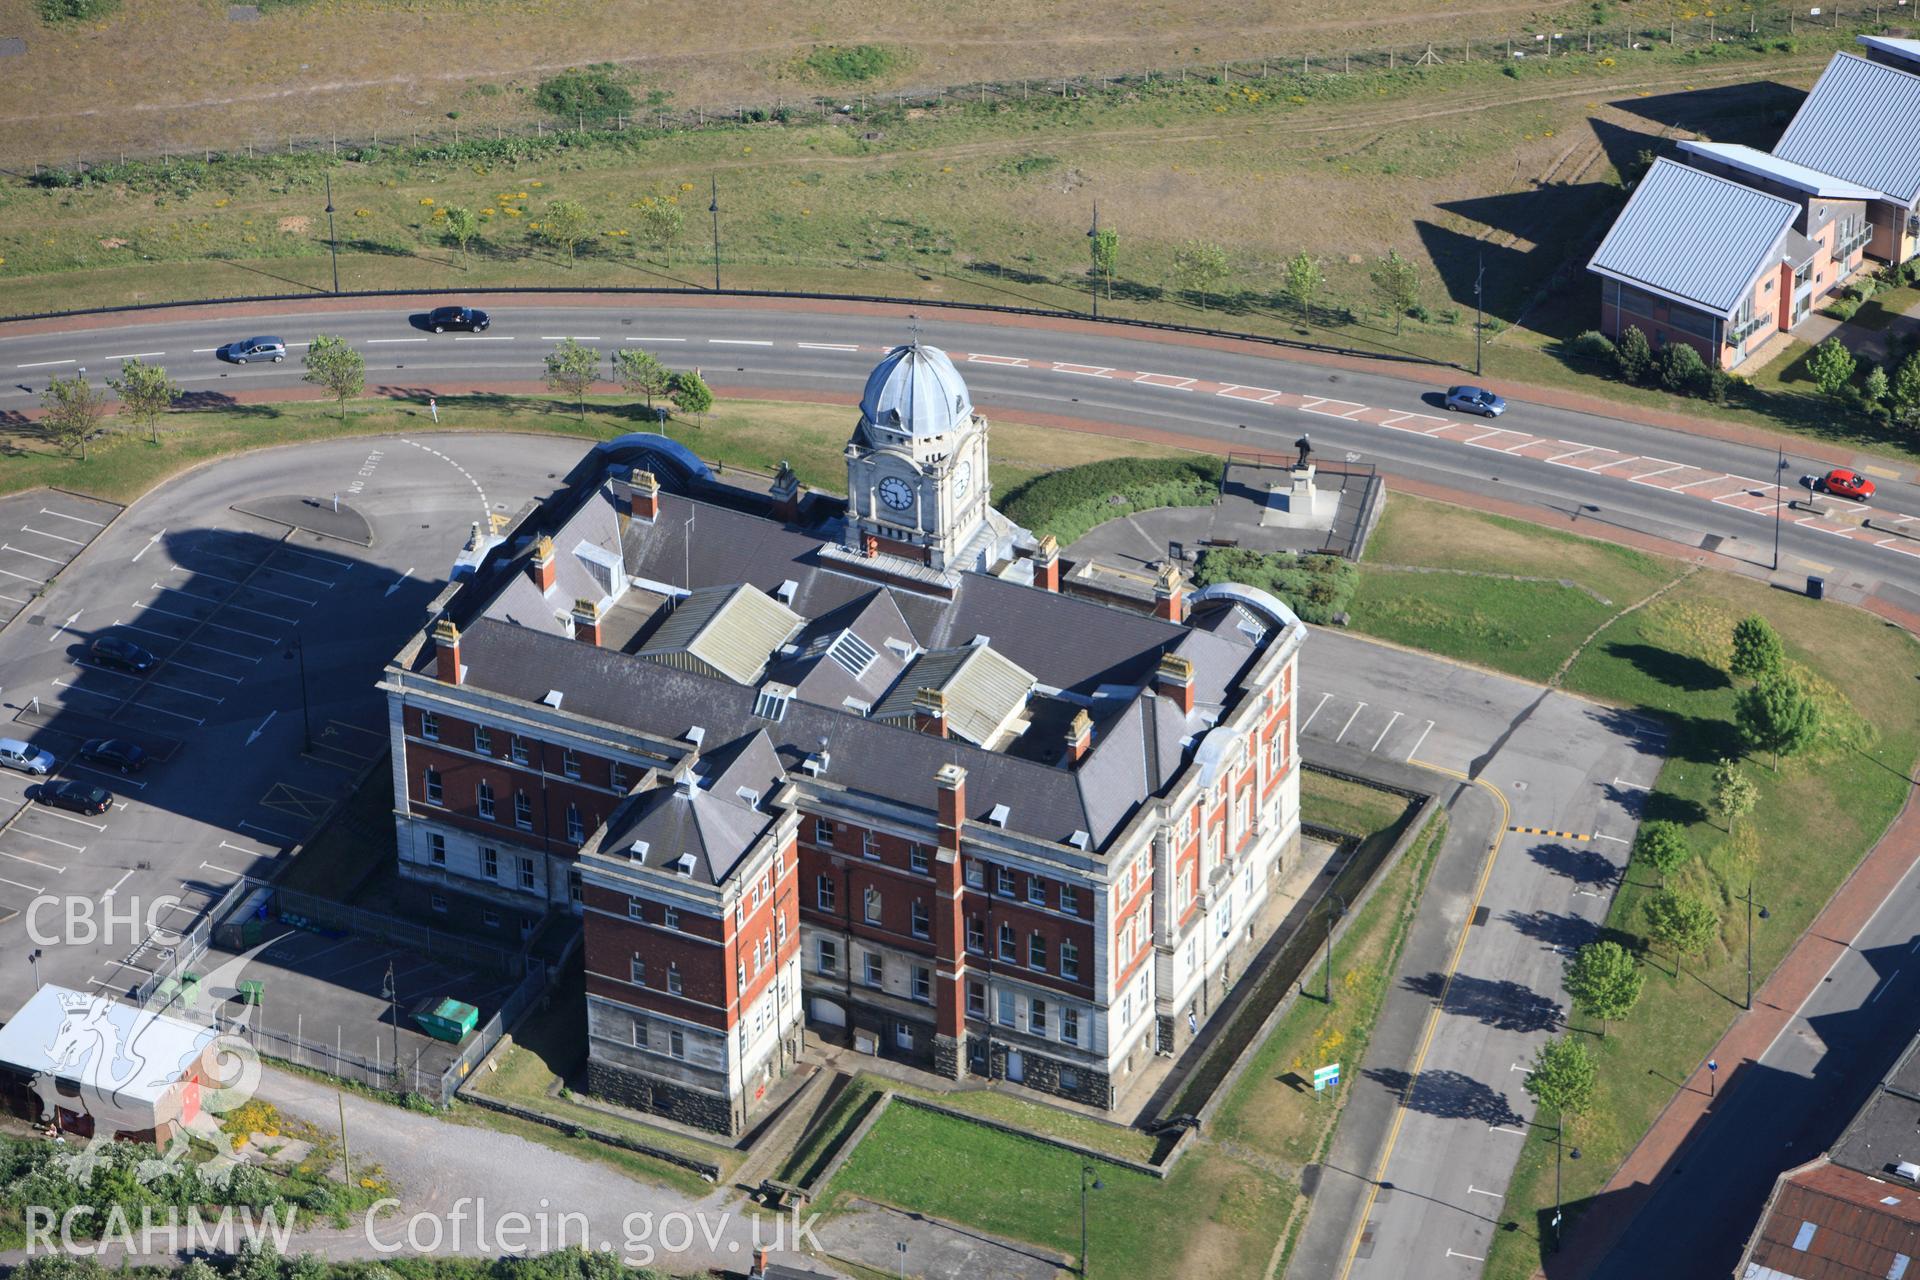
<point>542,568</point>
<point>644,504</point>
<point>586,622</point>
<point>446,645</point>
<point>1174,679</point>
<point>1046,564</point>
<point>930,712</point>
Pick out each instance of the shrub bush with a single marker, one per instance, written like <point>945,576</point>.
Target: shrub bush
<point>57,11</point>
<point>1317,587</point>
<point>1595,350</point>
<point>1418,311</point>
<point>588,93</point>
<point>1634,355</point>
<point>1841,308</point>
<point>1682,371</point>
<point>850,64</point>
<point>1068,502</point>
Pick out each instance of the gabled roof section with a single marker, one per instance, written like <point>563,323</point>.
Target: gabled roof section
<point>1858,123</point>
<point>1766,165</point>
<point>845,655</point>
<point>1694,237</point>
<point>685,831</point>
<point>985,692</point>
<point>731,631</point>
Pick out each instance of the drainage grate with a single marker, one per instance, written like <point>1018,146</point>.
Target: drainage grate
<point>1711,542</point>
<point>1366,1243</point>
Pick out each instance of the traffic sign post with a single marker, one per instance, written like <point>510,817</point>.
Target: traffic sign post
<point>1327,1077</point>
<point>1713,1071</point>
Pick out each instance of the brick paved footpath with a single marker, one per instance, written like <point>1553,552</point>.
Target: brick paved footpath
<point>1774,1006</point>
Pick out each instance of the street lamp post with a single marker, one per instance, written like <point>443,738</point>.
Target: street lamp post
<point>392,993</point>
<point>33,962</point>
<point>1333,917</point>
<point>1087,1183</point>
<point>1558,1129</point>
<point>1479,314</point>
<point>298,651</point>
<point>1779,473</point>
<point>713,207</point>
<point>333,245</point>
<point>1093,240</point>
<point>1764,916</point>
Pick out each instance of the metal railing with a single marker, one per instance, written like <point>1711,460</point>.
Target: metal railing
<point>193,943</point>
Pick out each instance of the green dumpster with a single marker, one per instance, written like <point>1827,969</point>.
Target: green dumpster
<point>253,992</point>
<point>448,1020</point>
<point>189,991</point>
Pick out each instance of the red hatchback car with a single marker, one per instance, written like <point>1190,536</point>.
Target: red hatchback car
<point>1847,484</point>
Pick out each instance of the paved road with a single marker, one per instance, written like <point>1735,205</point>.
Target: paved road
<point>222,597</point>
<point>1559,764</point>
<point>1790,1105</point>
<point>1582,467</point>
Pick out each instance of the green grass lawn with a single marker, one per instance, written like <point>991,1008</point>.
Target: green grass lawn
<point>1347,806</point>
<point>754,434</point>
<point>1476,612</point>
<point>1816,818</point>
<point>1215,1216</point>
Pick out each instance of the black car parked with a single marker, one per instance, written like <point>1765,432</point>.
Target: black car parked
<point>441,319</point>
<point>81,797</point>
<point>115,753</point>
<point>125,655</point>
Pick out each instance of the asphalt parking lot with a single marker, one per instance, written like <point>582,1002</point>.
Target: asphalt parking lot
<point>325,1005</point>
<point>261,709</point>
<point>40,533</point>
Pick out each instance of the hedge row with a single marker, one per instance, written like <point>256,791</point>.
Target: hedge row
<point>1069,502</point>
<point>1318,587</point>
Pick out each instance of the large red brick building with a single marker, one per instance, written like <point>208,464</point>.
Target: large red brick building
<point>861,768</point>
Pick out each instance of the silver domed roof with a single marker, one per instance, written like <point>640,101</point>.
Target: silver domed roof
<point>916,390</point>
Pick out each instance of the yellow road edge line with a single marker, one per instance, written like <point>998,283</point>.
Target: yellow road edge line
<point>1433,1016</point>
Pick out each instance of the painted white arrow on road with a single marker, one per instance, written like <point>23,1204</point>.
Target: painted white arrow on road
<point>400,582</point>
<point>63,626</point>
<point>150,541</point>
<point>255,735</point>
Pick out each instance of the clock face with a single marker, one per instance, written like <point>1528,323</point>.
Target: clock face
<point>896,493</point>
<point>962,480</point>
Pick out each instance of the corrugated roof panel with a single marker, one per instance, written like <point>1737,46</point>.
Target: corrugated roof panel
<point>1695,237</point>
<point>1858,124</point>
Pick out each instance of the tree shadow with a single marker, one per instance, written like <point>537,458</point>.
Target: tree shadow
<point>1586,866</point>
<point>221,402</point>
<point>251,269</point>
<point>1450,1095</point>
<point>1503,1004</point>
<point>1557,931</point>
<point>1675,670</point>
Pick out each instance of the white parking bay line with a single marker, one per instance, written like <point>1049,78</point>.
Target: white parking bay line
<point>64,817</point>
<point>217,675</point>
<point>119,779</point>
<point>38,582</point>
<point>1350,719</point>
<point>1384,732</point>
<point>64,516</point>
<point>27,528</point>
<point>1422,738</point>
<point>1315,711</point>
<point>93,693</point>
<point>192,644</point>
<point>177,715</point>
<point>30,888</point>
<point>1470,1257</point>
<point>174,688</point>
<point>77,848</point>
<point>33,862</point>
<point>209,866</point>
<point>1476,1191</point>
<point>254,826</point>
<point>8,546</point>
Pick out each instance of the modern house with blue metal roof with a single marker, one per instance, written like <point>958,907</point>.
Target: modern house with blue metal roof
<point>1704,260</point>
<point>1861,123</point>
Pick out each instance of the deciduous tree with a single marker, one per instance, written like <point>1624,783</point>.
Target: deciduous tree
<point>641,374</point>
<point>74,409</point>
<point>332,364</point>
<point>1734,793</point>
<point>462,225</point>
<point>1684,923</point>
<point>1199,266</point>
<point>1303,282</point>
<point>1874,390</point>
<point>1906,383</point>
<point>571,370</point>
<point>661,220</point>
<point>1832,367</point>
<point>1104,245</point>
<point>1634,354</point>
<point>1397,281</point>
<point>1563,1077</point>
<point>565,224</point>
<point>146,392</point>
<point>1777,714</point>
<point>1662,846</point>
<point>690,393</point>
<point>1605,981</point>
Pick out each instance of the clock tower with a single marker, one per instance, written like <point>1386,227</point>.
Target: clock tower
<point>917,466</point>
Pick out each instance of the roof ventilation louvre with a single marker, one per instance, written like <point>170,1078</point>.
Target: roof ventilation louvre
<point>553,698</point>
<point>749,797</point>
<point>788,590</point>
<point>1080,840</point>
<point>1908,1170</point>
<point>816,763</point>
<point>999,815</point>
<point>697,735</point>
<point>686,784</point>
<point>683,865</point>
<point>980,640</point>
<point>637,851</point>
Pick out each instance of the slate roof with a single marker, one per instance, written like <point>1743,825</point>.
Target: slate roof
<point>685,826</point>
<point>1694,237</point>
<point>1826,1222</point>
<point>817,673</point>
<point>1798,176</point>
<point>1858,123</point>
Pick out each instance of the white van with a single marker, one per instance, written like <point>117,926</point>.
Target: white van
<point>15,754</point>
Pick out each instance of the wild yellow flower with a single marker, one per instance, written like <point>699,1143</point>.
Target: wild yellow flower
<point>535,183</point>
<point>522,195</point>
<point>426,199</point>
<point>686,186</point>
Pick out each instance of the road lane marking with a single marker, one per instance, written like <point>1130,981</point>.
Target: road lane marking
<point>63,626</point>
<point>134,355</point>
<point>44,364</point>
<point>739,342</point>
<point>150,545</point>
<point>116,884</point>
<point>1882,988</point>
<point>400,581</point>
<point>375,342</point>
<point>652,339</point>
<point>471,337</point>
<point>828,346</point>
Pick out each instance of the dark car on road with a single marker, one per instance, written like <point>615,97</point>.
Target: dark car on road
<point>1475,400</point>
<point>255,349</point>
<point>1842,483</point>
<point>115,753</point>
<point>441,319</point>
<point>81,797</point>
<point>123,655</point>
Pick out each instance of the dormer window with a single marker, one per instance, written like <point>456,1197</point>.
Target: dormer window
<point>772,702</point>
